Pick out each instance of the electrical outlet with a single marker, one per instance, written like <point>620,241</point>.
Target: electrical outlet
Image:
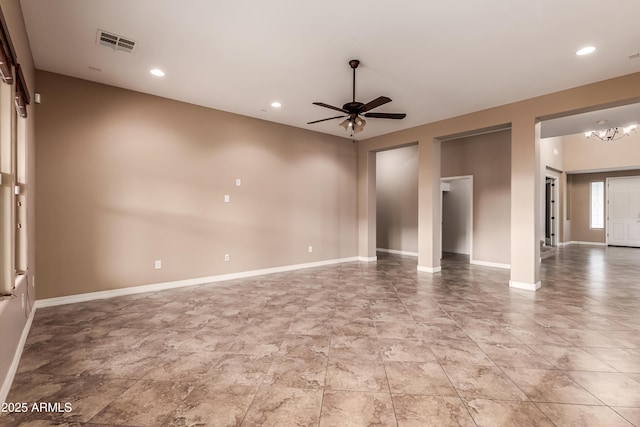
<point>238,182</point>
<point>310,249</point>
<point>227,199</point>
<point>227,257</point>
<point>158,264</point>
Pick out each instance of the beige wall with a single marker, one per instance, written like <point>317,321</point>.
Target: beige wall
<point>523,117</point>
<point>13,318</point>
<point>397,199</point>
<point>488,158</point>
<point>581,154</point>
<point>586,155</point>
<point>576,153</point>
<point>127,178</point>
<point>579,200</point>
<point>552,153</point>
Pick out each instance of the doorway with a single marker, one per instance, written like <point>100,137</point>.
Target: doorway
<point>456,232</point>
<point>623,211</point>
<point>551,211</point>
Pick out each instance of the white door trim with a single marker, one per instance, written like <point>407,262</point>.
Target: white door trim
<point>556,207</point>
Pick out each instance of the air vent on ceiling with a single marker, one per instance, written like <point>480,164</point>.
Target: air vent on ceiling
<point>115,41</point>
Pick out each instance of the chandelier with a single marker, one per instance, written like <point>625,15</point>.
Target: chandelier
<point>611,134</point>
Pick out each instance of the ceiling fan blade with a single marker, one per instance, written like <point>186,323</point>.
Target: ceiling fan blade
<point>324,120</point>
<point>396,116</point>
<point>322,104</point>
<point>381,100</point>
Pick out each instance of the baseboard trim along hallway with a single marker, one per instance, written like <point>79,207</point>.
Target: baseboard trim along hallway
<point>70,299</point>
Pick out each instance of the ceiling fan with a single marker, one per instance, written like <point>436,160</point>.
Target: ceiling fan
<point>352,110</point>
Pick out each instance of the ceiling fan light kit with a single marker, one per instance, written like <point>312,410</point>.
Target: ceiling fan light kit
<point>352,110</point>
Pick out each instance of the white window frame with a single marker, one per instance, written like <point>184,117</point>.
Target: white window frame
<point>598,226</point>
<point>13,191</point>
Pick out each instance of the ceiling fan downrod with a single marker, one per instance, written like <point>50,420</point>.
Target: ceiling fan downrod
<point>354,64</point>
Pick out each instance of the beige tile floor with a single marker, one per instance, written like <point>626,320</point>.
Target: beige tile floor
<point>351,345</point>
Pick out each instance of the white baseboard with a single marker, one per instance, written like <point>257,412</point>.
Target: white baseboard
<point>526,286</point>
<point>585,243</point>
<point>8,380</point>
<point>429,269</point>
<point>394,251</point>
<point>367,259</point>
<point>490,264</point>
<point>50,302</point>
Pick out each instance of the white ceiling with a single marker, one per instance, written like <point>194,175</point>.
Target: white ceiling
<point>434,58</point>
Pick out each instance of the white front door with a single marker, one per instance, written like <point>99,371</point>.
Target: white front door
<point>623,211</point>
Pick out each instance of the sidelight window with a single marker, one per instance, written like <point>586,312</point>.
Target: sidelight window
<point>597,205</point>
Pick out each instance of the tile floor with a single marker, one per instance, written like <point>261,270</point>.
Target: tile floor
<point>351,345</point>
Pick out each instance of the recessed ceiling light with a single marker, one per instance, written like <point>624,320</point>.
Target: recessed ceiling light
<point>276,104</point>
<point>157,72</point>
<point>586,50</point>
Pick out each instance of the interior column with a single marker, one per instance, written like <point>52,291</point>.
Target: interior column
<point>525,204</point>
<point>367,205</point>
<point>429,205</point>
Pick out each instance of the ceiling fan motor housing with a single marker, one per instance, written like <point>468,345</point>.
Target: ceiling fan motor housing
<point>353,106</point>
